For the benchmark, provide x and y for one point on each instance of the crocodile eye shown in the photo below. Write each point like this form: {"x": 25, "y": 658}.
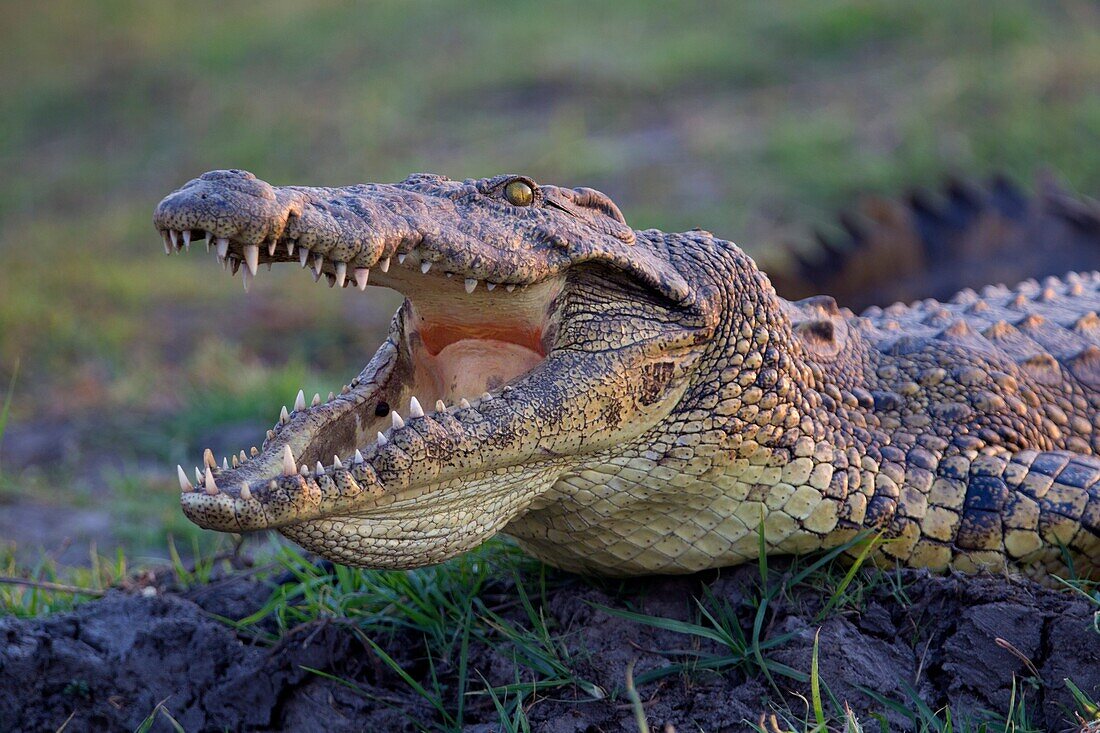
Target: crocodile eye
{"x": 519, "y": 193}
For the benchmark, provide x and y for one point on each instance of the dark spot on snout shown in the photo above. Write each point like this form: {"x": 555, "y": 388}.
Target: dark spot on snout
{"x": 382, "y": 409}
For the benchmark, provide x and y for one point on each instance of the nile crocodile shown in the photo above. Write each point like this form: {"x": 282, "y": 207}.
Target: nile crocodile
{"x": 626, "y": 402}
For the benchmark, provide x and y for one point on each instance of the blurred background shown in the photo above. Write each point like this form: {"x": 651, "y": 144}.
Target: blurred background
{"x": 755, "y": 121}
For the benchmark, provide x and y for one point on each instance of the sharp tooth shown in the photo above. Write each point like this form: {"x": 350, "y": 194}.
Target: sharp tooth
{"x": 284, "y": 416}
{"x": 300, "y": 401}
{"x": 464, "y": 403}
{"x": 400, "y": 258}
{"x": 331, "y": 278}
{"x": 211, "y": 485}
{"x": 440, "y": 406}
{"x": 246, "y": 493}
{"x": 185, "y": 484}
{"x": 359, "y": 455}
{"x": 223, "y": 247}
{"x": 345, "y": 389}
{"x": 336, "y": 462}
{"x": 341, "y": 273}
{"x": 361, "y": 274}
{"x": 316, "y": 400}
{"x": 415, "y": 410}
{"x": 486, "y": 396}
{"x": 289, "y": 469}
{"x": 225, "y": 464}
{"x": 187, "y": 239}
{"x": 384, "y": 265}
{"x": 167, "y": 243}
{"x": 304, "y": 470}
{"x": 425, "y": 266}
{"x": 254, "y": 451}
{"x": 246, "y": 279}
{"x": 270, "y": 434}
{"x": 320, "y": 470}
{"x": 198, "y": 476}
{"x": 271, "y": 248}
{"x": 208, "y": 458}
{"x": 303, "y": 256}
{"x": 234, "y": 264}
{"x": 397, "y": 421}
{"x": 448, "y": 274}
{"x": 289, "y": 248}
{"x": 236, "y": 463}
{"x": 243, "y": 457}
{"x": 471, "y": 283}
{"x": 490, "y": 286}
{"x": 174, "y": 236}
{"x": 509, "y": 287}
{"x": 382, "y": 439}
{"x": 252, "y": 257}
{"x": 316, "y": 275}
{"x": 331, "y": 397}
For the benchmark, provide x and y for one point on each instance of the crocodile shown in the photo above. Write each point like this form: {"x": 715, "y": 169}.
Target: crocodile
{"x": 625, "y": 402}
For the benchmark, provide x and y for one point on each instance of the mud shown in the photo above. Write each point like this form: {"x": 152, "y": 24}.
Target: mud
{"x": 110, "y": 662}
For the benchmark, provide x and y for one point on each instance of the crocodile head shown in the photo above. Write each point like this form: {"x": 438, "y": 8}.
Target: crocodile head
{"x": 537, "y": 328}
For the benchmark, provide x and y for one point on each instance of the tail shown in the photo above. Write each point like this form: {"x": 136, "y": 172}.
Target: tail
{"x": 932, "y": 245}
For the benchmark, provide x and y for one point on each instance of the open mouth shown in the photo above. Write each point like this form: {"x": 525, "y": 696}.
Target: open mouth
{"x": 456, "y": 344}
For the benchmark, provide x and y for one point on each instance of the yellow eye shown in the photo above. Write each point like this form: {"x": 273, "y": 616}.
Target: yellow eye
{"x": 519, "y": 193}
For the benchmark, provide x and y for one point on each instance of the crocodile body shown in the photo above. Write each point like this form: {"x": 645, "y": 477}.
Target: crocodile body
{"x": 626, "y": 402}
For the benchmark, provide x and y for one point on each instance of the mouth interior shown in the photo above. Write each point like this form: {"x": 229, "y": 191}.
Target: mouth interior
{"x": 457, "y": 344}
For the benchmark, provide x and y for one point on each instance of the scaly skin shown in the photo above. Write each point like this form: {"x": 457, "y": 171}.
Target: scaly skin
{"x": 681, "y": 404}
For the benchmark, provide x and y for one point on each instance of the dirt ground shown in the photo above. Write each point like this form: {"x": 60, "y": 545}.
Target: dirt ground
{"x": 110, "y": 662}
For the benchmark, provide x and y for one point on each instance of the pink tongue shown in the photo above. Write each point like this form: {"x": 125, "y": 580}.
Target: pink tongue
{"x": 470, "y": 367}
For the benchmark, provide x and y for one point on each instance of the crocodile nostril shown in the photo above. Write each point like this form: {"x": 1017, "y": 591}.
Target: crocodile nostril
{"x": 382, "y": 409}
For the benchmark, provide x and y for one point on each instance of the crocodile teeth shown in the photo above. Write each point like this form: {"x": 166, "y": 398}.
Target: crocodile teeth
{"x": 185, "y": 483}
{"x": 490, "y": 286}
{"x": 289, "y": 469}
{"x": 303, "y": 256}
{"x": 243, "y": 457}
{"x": 167, "y": 243}
{"x": 464, "y": 403}
{"x": 415, "y": 410}
{"x": 425, "y": 266}
{"x": 246, "y": 279}
{"x": 509, "y": 288}
{"x": 225, "y": 464}
{"x": 300, "y": 401}
{"x": 254, "y": 451}
{"x": 400, "y": 258}
{"x": 198, "y": 476}
{"x": 486, "y": 396}
{"x": 290, "y": 249}
{"x": 359, "y": 455}
{"x": 397, "y": 421}
{"x": 236, "y": 463}
{"x": 284, "y": 416}
{"x": 341, "y": 273}
{"x": 187, "y": 239}
{"x": 382, "y": 439}
{"x": 271, "y": 248}
{"x": 246, "y": 493}
{"x": 208, "y": 458}
{"x": 316, "y": 400}
{"x": 318, "y": 264}
{"x": 211, "y": 485}
{"x": 384, "y": 265}
{"x": 440, "y": 406}
{"x": 223, "y": 247}
{"x": 361, "y": 274}
{"x": 234, "y": 264}
{"x": 336, "y": 462}
{"x": 331, "y": 396}
{"x": 252, "y": 257}
{"x": 319, "y": 470}
{"x": 174, "y": 236}
{"x": 471, "y": 283}
{"x": 304, "y": 470}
